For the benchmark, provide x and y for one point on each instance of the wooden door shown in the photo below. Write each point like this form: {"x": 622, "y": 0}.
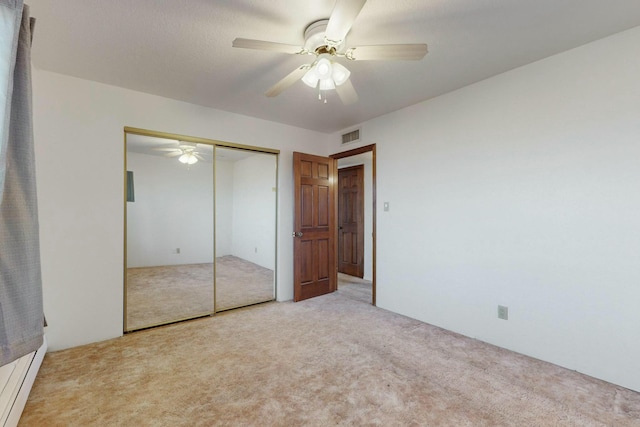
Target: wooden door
{"x": 314, "y": 255}
{"x": 351, "y": 221}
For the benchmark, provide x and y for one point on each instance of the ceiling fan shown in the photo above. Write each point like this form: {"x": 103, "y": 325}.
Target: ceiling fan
{"x": 326, "y": 39}
{"x": 186, "y": 150}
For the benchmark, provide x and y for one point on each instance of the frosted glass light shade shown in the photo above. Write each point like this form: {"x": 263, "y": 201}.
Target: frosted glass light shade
{"x": 324, "y": 69}
{"x": 340, "y": 74}
{"x": 327, "y": 84}
{"x": 310, "y": 78}
{"x": 188, "y": 159}
{"x": 329, "y": 74}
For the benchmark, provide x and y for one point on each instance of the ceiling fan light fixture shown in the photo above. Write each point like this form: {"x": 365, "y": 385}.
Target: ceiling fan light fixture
{"x": 324, "y": 69}
{"x": 327, "y": 84}
{"x": 188, "y": 158}
{"x": 326, "y": 75}
{"x": 326, "y": 39}
{"x": 311, "y": 78}
{"x": 340, "y": 74}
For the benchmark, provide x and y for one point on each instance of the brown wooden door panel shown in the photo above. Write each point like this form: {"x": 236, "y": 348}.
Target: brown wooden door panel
{"x": 306, "y": 205}
{"x": 351, "y": 221}
{"x": 315, "y": 179}
{"x": 349, "y": 248}
{"x": 324, "y": 168}
{"x": 305, "y": 253}
{"x": 322, "y": 260}
{"x": 306, "y": 168}
{"x": 323, "y": 206}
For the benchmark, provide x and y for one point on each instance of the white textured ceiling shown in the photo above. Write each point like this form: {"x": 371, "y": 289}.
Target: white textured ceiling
{"x": 182, "y": 49}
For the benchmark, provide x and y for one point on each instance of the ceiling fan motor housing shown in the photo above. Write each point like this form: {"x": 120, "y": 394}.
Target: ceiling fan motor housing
{"x": 315, "y": 41}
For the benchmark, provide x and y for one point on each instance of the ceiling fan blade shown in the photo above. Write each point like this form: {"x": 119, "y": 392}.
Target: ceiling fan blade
{"x": 198, "y": 156}
{"x": 347, "y": 93}
{"x": 264, "y": 45}
{"x": 175, "y": 154}
{"x": 290, "y": 79}
{"x": 387, "y": 52}
{"x": 166, "y": 149}
{"x": 344, "y": 14}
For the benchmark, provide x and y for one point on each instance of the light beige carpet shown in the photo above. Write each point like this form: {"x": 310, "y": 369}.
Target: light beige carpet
{"x": 326, "y": 361}
{"x": 157, "y": 295}
{"x": 355, "y": 288}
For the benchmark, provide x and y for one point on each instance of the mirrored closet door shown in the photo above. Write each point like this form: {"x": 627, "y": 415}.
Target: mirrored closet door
{"x": 245, "y": 199}
{"x": 169, "y": 231}
{"x": 200, "y": 227}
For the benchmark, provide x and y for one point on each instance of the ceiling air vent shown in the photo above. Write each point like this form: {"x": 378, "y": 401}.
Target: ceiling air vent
{"x": 352, "y": 136}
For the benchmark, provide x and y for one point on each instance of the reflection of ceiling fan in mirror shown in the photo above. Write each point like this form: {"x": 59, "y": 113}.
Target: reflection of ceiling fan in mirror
{"x": 326, "y": 39}
{"x": 187, "y": 151}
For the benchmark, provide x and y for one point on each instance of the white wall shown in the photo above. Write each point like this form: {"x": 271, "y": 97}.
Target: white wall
{"x": 79, "y": 145}
{"x": 522, "y": 190}
{"x": 254, "y": 209}
{"x": 173, "y": 209}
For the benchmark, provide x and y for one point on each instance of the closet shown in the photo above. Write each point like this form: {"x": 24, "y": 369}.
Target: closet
{"x": 200, "y": 227}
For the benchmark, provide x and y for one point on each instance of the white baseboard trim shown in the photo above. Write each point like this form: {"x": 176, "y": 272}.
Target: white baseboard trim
{"x": 16, "y": 380}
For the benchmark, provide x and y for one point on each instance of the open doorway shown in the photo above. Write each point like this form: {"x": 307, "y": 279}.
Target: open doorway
{"x": 356, "y": 223}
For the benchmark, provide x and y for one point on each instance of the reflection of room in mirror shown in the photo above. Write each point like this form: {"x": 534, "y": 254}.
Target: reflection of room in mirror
{"x": 170, "y": 231}
{"x": 245, "y": 227}
{"x": 359, "y": 288}
{"x": 164, "y": 294}
{"x": 240, "y": 282}
{"x": 158, "y": 294}
{"x": 169, "y": 238}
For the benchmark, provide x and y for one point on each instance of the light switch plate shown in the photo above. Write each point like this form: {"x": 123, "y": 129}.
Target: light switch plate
{"x": 503, "y": 312}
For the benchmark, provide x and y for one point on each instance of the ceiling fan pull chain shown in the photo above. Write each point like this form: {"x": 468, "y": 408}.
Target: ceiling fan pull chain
{"x": 320, "y": 93}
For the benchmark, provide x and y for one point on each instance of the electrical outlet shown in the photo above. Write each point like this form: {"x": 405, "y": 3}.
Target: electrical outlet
{"x": 503, "y": 312}
{"x": 386, "y": 206}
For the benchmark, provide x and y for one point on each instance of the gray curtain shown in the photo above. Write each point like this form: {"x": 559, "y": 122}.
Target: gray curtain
{"x": 21, "y": 318}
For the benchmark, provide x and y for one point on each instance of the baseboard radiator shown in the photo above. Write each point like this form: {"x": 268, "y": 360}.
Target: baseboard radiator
{"x": 16, "y": 380}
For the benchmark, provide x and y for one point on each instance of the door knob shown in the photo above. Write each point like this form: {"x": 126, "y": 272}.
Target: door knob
{"x": 297, "y": 234}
